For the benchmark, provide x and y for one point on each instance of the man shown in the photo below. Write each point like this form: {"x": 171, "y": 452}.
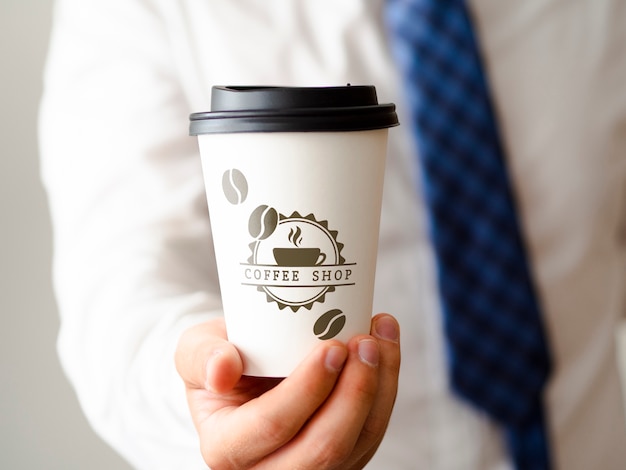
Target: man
{"x": 134, "y": 266}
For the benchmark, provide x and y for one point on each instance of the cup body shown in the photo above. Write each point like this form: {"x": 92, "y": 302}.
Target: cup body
{"x": 295, "y": 220}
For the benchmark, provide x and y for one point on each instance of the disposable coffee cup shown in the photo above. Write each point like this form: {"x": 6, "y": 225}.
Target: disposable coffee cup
{"x": 294, "y": 180}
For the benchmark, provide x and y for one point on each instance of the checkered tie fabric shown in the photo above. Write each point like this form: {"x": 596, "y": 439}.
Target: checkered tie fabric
{"x": 497, "y": 349}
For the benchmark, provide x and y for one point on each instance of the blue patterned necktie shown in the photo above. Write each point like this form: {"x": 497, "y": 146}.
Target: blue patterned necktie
{"x": 498, "y": 355}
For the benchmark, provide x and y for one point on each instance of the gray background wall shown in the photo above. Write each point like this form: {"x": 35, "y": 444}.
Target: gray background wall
{"x": 41, "y": 425}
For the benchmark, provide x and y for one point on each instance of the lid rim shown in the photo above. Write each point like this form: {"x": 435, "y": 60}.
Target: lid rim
{"x": 293, "y": 109}
{"x": 249, "y": 126}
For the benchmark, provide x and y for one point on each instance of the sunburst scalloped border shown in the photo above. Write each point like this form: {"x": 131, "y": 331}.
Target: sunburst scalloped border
{"x": 341, "y": 260}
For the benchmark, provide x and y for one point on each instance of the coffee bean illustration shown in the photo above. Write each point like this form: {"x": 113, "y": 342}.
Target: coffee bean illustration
{"x": 263, "y": 222}
{"x": 235, "y": 186}
{"x": 330, "y": 324}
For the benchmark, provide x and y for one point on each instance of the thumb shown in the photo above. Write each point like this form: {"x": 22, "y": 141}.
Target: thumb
{"x": 206, "y": 360}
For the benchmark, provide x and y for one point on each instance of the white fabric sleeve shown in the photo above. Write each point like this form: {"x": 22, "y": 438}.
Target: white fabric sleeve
{"x": 133, "y": 256}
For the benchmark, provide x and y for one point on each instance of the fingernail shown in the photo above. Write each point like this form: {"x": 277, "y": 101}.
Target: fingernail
{"x": 335, "y": 358}
{"x": 386, "y": 328}
{"x": 368, "y": 352}
{"x": 212, "y": 358}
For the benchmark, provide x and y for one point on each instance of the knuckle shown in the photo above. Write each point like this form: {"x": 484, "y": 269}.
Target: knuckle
{"x": 273, "y": 429}
{"x": 367, "y": 388}
{"x": 219, "y": 456}
{"x": 331, "y": 453}
{"x": 373, "y": 430}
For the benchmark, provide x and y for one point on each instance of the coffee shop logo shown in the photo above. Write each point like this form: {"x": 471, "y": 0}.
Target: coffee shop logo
{"x": 295, "y": 260}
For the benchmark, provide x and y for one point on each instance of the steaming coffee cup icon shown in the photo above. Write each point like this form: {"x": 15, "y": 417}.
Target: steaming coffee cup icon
{"x": 299, "y": 256}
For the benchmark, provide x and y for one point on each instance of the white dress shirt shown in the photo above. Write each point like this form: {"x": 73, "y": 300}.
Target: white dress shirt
{"x": 134, "y": 263}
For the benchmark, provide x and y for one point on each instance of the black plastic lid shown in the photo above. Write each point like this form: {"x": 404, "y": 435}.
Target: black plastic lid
{"x": 293, "y": 109}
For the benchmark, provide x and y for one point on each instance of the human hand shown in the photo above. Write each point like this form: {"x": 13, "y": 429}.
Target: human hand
{"x": 331, "y": 412}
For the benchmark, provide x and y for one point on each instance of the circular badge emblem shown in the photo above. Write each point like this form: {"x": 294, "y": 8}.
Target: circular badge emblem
{"x": 296, "y": 264}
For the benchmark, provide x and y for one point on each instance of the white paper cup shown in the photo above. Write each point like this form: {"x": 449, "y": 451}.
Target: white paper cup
{"x": 294, "y": 180}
